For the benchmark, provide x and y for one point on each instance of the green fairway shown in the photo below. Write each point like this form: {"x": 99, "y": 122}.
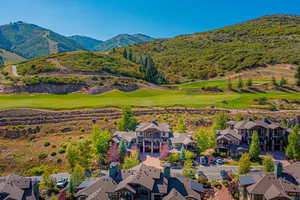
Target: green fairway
{"x": 221, "y": 84}
{"x": 138, "y": 98}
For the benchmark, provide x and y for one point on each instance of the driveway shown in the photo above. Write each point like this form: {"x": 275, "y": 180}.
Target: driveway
{"x": 213, "y": 172}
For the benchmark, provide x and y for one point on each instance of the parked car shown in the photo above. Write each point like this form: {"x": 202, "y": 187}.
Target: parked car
{"x": 224, "y": 175}
{"x": 61, "y": 183}
{"x": 200, "y": 174}
{"x": 219, "y": 161}
{"x": 203, "y": 160}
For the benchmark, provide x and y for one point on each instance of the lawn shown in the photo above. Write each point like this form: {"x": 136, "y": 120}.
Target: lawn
{"x": 140, "y": 98}
{"x": 221, "y": 84}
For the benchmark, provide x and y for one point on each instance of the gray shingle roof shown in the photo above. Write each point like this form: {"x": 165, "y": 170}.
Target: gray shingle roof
{"x": 153, "y": 125}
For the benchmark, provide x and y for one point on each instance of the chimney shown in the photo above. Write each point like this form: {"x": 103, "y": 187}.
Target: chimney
{"x": 113, "y": 169}
{"x": 167, "y": 170}
{"x": 278, "y": 169}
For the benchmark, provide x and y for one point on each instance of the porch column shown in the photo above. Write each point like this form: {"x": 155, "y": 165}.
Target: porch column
{"x": 151, "y": 146}
{"x": 273, "y": 145}
{"x": 143, "y": 146}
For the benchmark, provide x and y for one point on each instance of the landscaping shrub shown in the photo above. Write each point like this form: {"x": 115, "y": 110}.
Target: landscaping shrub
{"x": 42, "y": 156}
{"x": 53, "y": 154}
{"x": 46, "y": 144}
{"x": 62, "y": 151}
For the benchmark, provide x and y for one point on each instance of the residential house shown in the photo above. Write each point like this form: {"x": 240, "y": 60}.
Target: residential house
{"x": 14, "y": 187}
{"x": 141, "y": 182}
{"x": 237, "y": 137}
{"x": 149, "y": 138}
{"x": 279, "y": 185}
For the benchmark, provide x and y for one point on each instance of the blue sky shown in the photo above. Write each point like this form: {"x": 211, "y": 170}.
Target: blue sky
{"x": 103, "y": 19}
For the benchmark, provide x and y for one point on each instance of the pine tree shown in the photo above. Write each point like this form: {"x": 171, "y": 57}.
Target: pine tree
{"x": 125, "y": 54}
{"x": 274, "y": 82}
{"x": 292, "y": 150}
{"x": 76, "y": 178}
{"x": 122, "y": 149}
{"x": 1, "y": 61}
{"x": 297, "y": 76}
{"x": 229, "y": 84}
{"x": 127, "y": 122}
{"x": 182, "y": 154}
{"x": 254, "y": 150}
{"x": 249, "y": 82}
{"x": 244, "y": 164}
{"x": 180, "y": 127}
{"x": 282, "y": 82}
{"x": 130, "y": 55}
{"x": 241, "y": 83}
{"x": 268, "y": 164}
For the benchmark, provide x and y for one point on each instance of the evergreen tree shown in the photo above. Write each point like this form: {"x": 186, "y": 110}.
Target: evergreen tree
{"x": 240, "y": 83}
{"x": 76, "y": 178}
{"x": 292, "y": 150}
{"x": 182, "y": 154}
{"x": 130, "y": 55}
{"x": 220, "y": 121}
{"x": 101, "y": 141}
{"x": 274, "y": 82}
{"x": 131, "y": 161}
{"x": 282, "y": 82}
{"x": 202, "y": 138}
{"x": 249, "y": 82}
{"x": 244, "y": 164}
{"x": 85, "y": 153}
{"x": 122, "y": 149}
{"x": 297, "y": 76}
{"x": 1, "y": 61}
{"x": 151, "y": 73}
{"x": 180, "y": 127}
{"x": 268, "y": 164}
{"x": 229, "y": 84}
{"x": 254, "y": 150}
{"x": 72, "y": 157}
{"x": 47, "y": 181}
{"x": 127, "y": 122}
{"x": 125, "y": 54}
{"x": 188, "y": 169}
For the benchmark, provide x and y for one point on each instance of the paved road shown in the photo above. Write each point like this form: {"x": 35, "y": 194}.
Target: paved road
{"x": 213, "y": 172}
{"x": 14, "y": 70}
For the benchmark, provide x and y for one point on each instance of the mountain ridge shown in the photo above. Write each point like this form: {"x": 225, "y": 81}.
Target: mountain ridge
{"x": 30, "y": 40}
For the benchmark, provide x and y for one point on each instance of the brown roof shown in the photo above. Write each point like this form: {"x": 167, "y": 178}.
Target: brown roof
{"x": 153, "y": 125}
{"x": 98, "y": 188}
{"x": 16, "y": 187}
{"x": 230, "y": 134}
{"x": 248, "y": 124}
{"x": 293, "y": 170}
{"x": 126, "y": 135}
{"x": 182, "y": 138}
{"x": 174, "y": 195}
{"x": 147, "y": 176}
{"x": 269, "y": 185}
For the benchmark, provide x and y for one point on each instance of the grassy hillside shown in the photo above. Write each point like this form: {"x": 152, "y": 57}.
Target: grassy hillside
{"x": 266, "y": 40}
{"x": 29, "y": 40}
{"x": 79, "y": 62}
{"x": 86, "y": 42}
{"x": 9, "y": 57}
{"x": 122, "y": 40}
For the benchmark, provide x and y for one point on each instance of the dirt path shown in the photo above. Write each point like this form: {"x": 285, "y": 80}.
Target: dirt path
{"x": 14, "y": 70}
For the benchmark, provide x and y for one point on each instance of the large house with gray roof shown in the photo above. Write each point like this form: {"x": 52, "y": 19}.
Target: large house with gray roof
{"x": 141, "y": 182}
{"x": 14, "y": 187}
{"x": 237, "y": 137}
{"x": 149, "y": 137}
{"x": 280, "y": 185}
